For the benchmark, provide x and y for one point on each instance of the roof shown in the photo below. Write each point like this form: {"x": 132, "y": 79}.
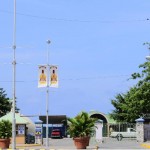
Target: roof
{"x": 54, "y": 119}
{"x": 30, "y": 125}
{"x": 19, "y": 119}
{"x": 110, "y": 120}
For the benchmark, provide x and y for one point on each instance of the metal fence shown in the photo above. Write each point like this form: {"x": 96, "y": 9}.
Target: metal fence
{"x": 119, "y": 131}
{"x": 124, "y": 132}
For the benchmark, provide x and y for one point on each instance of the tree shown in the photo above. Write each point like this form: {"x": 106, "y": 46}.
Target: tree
{"x": 5, "y": 104}
{"x": 81, "y": 125}
{"x": 136, "y": 101}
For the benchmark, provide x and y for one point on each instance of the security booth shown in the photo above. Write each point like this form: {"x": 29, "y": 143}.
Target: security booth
{"x": 54, "y": 122}
{"x": 20, "y": 133}
{"x": 21, "y": 128}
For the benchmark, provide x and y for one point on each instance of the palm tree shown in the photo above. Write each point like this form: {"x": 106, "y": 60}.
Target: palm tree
{"x": 81, "y": 126}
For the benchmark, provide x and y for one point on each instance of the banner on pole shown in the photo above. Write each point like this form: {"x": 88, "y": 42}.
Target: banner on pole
{"x": 53, "y": 76}
{"x": 42, "y": 76}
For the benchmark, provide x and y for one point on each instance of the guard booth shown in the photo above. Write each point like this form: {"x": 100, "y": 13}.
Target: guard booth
{"x": 54, "y": 122}
{"x": 21, "y": 128}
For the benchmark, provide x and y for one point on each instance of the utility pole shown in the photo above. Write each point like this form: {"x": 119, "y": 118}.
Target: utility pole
{"x": 47, "y": 99}
{"x": 14, "y": 81}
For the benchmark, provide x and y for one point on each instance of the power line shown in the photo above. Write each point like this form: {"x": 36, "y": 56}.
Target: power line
{"x": 83, "y": 78}
{"x": 98, "y": 77}
{"x": 21, "y": 81}
{"x": 77, "y": 20}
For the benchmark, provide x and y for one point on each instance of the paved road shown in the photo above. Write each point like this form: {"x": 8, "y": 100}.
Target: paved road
{"x": 109, "y": 143}
{"x": 113, "y": 143}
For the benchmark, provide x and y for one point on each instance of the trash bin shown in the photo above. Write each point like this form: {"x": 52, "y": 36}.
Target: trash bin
{"x": 30, "y": 139}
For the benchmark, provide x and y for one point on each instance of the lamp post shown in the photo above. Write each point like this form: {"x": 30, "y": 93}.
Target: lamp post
{"x": 14, "y": 82}
{"x": 47, "y": 99}
{"x": 148, "y": 57}
{"x": 147, "y": 43}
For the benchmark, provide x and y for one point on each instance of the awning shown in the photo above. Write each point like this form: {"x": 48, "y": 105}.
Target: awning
{"x": 57, "y": 119}
{"x": 19, "y": 119}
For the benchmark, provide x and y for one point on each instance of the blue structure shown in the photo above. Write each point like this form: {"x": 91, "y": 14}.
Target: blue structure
{"x": 55, "y": 122}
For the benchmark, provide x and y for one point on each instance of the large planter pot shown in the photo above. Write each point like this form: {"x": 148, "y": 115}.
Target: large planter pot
{"x": 4, "y": 143}
{"x": 80, "y": 142}
{"x": 87, "y": 140}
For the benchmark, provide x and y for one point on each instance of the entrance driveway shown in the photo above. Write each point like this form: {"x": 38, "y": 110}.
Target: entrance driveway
{"x": 67, "y": 144}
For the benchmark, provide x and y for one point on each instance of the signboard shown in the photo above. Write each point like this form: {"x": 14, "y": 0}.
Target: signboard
{"x": 38, "y": 131}
{"x": 21, "y": 129}
{"x": 53, "y": 76}
{"x": 42, "y": 76}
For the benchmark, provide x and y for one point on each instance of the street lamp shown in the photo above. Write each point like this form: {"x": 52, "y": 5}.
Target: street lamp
{"x": 148, "y": 57}
{"x": 147, "y": 43}
{"x": 47, "y": 99}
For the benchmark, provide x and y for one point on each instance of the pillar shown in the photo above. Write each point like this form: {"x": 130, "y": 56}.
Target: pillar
{"x": 38, "y": 132}
{"x": 99, "y": 131}
{"x": 140, "y": 129}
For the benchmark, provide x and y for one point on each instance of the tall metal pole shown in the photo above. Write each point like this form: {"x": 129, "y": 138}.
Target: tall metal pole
{"x": 14, "y": 82}
{"x": 47, "y": 99}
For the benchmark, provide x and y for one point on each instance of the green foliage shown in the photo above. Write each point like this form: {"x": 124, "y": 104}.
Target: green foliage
{"x": 5, "y": 105}
{"x": 136, "y": 101}
{"x": 5, "y": 129}
{"x": 81, "y": 125}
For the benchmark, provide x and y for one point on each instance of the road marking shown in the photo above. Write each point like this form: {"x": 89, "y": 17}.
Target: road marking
{"x": 145, "y": 145}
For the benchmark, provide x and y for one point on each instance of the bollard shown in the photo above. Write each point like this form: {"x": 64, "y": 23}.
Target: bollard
{"x": 97, "y": 147}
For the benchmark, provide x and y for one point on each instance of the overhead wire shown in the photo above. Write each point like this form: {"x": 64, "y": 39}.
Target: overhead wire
{"x": 76, "y": 20}
{"x": 71, "y": 79}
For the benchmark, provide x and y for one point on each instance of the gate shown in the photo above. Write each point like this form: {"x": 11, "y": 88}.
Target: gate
{"x": 119, "y": 132}
{"x": 147, "y": 132}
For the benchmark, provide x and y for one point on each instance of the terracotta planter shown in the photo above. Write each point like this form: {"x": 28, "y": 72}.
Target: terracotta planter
{"x": 80, "y": 142}
{"x": 87, "y": 140}
{"x": 4, "y": 143}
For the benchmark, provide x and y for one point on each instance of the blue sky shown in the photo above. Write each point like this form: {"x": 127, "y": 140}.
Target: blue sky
{"x": 96, "y": 44}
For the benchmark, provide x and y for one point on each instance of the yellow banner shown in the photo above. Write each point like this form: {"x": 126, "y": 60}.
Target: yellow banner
{"x": 53, "y": 76}
{"x": 42, "y": 76}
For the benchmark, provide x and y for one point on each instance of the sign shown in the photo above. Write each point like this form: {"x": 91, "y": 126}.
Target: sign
{"x": 53, "y": 76}
{"x": 38, "y": 131}
{"x": 21, "y": 129}
{"x": 42, "y": 76}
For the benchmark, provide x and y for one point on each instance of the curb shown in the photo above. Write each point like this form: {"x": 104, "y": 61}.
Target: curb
{"x": 30, "y": 149}
{"x": 146, "y": 145}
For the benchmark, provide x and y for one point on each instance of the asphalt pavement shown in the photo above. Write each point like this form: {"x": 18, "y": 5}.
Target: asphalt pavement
{"x": 108, "y": 143}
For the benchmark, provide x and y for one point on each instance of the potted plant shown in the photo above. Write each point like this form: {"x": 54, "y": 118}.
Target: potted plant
{"x": 80, "y": 129}
{"x": 5, "y": 133}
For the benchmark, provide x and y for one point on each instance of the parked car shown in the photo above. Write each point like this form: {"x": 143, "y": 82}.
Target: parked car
{"x": 130, "y": 133}
{"x": 56, "y": 133}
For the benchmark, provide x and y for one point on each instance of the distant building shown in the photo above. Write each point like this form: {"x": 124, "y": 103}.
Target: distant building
{"x": 55, "y": 122}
